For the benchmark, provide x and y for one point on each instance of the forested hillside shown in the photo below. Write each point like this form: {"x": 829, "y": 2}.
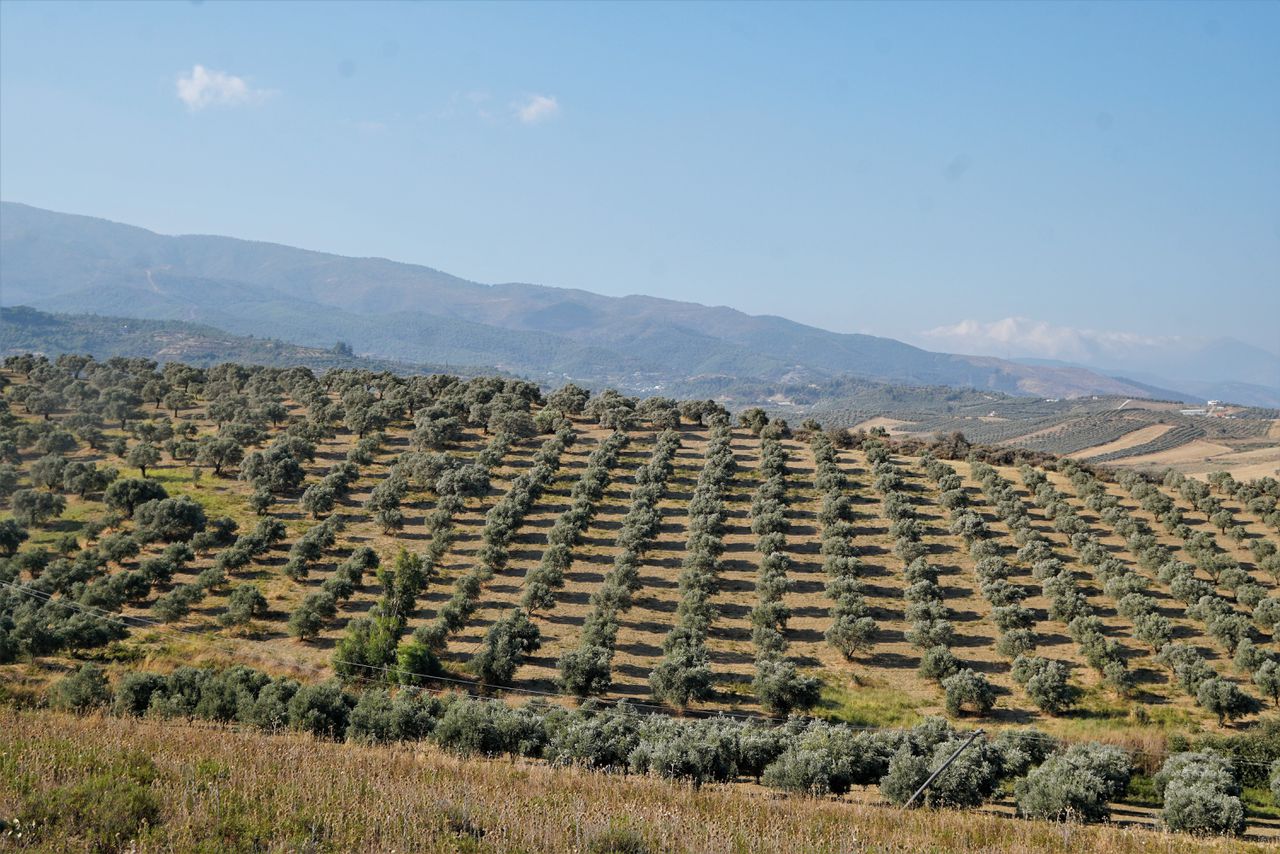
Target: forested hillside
{"x": 649, "y": 584}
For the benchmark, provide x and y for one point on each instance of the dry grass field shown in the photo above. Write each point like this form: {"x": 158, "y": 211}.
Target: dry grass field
{"x": 205, "y": 788}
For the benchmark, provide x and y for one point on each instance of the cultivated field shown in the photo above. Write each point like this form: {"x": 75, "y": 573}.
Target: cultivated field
{"x": 477, "y": 537}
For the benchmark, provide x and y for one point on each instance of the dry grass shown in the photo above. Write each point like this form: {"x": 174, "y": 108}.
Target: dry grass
{"x": 215, "y": 789}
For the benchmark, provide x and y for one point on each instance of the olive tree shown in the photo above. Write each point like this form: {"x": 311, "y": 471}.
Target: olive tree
{"x": 968, "y": 690}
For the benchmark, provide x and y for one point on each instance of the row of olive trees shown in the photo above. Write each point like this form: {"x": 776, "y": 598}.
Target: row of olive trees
{"x": 421, "y": 654}
{"x": 1222, "y": 569}
{"x": 68, "y": 600}
{"x": 321, "y": 606}
{"x": 1231, "y": 629}
{"x": 1120, "y": 582}
{"x": 1046, "y": 681}
{"x": 587, "y": 669}
{"x": 1260, "y": 496}
{"x": 373, "y": 644}
{"x": 1201, "y": 546}
{"x": 1067, "y": 603}
{"x": 778, "y": 684}
{"x": 931, "y": 631}
{"x": 853, "y": 629}
{"x": 512, "y": 637}
{"x": 541, "y": 582}
{"x": 1200, "y": 495}
{"x": 178, "y": 602}
{"x": 684, "y": 674}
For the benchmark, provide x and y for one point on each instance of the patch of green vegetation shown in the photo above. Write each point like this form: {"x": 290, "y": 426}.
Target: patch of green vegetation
{"x": 1260, "y": 802}
{"x": 111, "y": 803}
{"x": 1142, "y": 792}
{"x": 1098, "y": 710}
{"x": 72, "y": 521}
{"x": 868, "y": 704}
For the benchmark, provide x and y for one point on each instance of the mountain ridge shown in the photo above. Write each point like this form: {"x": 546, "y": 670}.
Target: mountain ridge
{"x": 394, "y": 310}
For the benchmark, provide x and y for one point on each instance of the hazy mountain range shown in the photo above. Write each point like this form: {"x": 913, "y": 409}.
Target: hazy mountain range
{"x": 80, "y": 265}
{"x": 1204, "y": 366}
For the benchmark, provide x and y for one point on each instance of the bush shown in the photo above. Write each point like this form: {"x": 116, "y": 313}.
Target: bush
{"x": 506, "y": 644}
{"x": 1075, "y": 785}
{"x": 968, "y": 690}
{"x": 683, "y": 675}
{"x": 699, "y": 752}
{"x": 1017, "y": 642}
{"x": 1193, "y": 762}
{"x": 181, "y": 693}
{"x": 490, "y": 728}
{"x": 270, "y": 709}
{"x": 133, "y": 694}
{"x": 323, "y": 710}
{"x": 585, "y": 670}
{"x": 176, "y": 604}
{"x": 83, "y": 690}
{"x": 1020, "y": 749}
{"x": 928, "y": 633}
{"x": 907, "y": 772}
{"x": 827, "y": 759}
{"x": 225, "y": 692}
{"x": 1201, "y": 794}
{"x": 781, "y": 688}
{"x": 970, "y": 780}
{"x": 370, "y": 721}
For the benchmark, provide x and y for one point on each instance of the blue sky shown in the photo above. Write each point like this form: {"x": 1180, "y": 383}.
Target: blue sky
{"x": 863, "y": 167}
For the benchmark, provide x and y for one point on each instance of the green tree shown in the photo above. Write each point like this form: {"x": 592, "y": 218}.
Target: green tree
{"x": 12, "y": 535}
{"x": 170, "y": 519}
{"x": 245, "y": 603}
{"x": 1223, "y": 699}
{"x": 219, "y": 452}
{"x": 32, "y": 507}
{"x": 126, "y": 494}
{"x": 142, "y": 455}
{"x": 1267, "y": 678}
{"x": 83, "y": 690}
{"x": 967, "y": 690}
{"x": 753, "y": 419}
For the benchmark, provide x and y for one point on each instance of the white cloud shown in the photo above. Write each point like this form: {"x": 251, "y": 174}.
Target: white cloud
{"x": 1023, "y": 337}
{"x": 202, "y": 88}
{"x": 536, "y": 108}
